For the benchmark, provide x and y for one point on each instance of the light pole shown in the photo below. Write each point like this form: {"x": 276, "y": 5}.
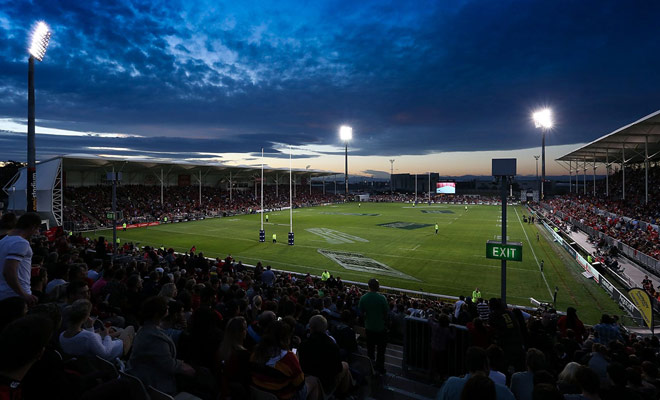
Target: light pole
{"x": 543, "y": 120}
{"x": 537, "y": 171}
{"x": 38, "y": 46}
{"x": 391, "y": 174}
{"x": 346, "y": 134}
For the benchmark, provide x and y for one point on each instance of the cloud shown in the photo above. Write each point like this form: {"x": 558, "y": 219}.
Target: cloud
{"x": 411, "y": 77}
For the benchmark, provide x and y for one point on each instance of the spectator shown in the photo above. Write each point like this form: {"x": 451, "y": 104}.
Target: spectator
{"x": 567, "y": 382}
{"x": 235, "y": 359}
{"x": 275, "y": 368}
{"x": 522, "y": 383}
{"x": 606, "y": 330}
{"x": 441, "y": 335}
{"x": 320, "y": 357}
{"x": 477, "y": 363}
{"x": 16, "y": 259}
{"x": 589, "y": 385}
{"x": 153, "y": 358}
{"x": 374, "y": 309}
{"x": 571, "y": 321}
{"x": 77, "y": 341}
{"x": 268, "y": 276}
{"x": 21, "y": 344}
{"x": 479, "y": 387}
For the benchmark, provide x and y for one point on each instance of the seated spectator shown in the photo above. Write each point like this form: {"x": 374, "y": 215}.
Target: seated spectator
{"x": 275, "y": 368}
{"x": 522, "y": 383}
{"x": 320, "y": 357}
{"x": 235, "y": 359}
{"x": 80, "y": 342}
{"x": 153, "y": 358}
{"x": 479, "y": 387}
{"x": 589, "y": 385}
{"x": 22, "y": 343}
{"x": 477, "y": 363}
{"x": 567, "y": 382}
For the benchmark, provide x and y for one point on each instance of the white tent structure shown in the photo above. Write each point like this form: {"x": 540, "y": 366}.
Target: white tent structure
{"x": 88, "y": 170}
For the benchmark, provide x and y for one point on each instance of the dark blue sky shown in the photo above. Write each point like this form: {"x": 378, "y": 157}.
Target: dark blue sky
{"x": 411, "y": 77}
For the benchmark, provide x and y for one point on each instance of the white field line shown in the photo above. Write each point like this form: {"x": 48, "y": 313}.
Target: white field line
{"x": 362, "y": 252}
{"x": 532, "y": 248}
{"x": 344, "y": 272}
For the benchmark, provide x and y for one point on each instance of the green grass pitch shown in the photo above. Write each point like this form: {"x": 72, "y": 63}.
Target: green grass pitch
{"x": 396, "y": 243}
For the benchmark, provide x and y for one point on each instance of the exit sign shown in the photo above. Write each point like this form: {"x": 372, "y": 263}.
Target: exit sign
{"x": 512, "y": 251}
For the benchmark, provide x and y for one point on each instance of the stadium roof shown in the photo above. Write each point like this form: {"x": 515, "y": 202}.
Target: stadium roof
{"x": 629, "y": 140}
{"x": 82, "y": 162}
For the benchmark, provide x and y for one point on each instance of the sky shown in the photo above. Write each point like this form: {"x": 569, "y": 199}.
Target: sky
{"x": 440, "y": 86}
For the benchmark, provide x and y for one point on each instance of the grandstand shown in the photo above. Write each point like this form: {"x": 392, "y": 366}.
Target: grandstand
{"x": 218, "y": 313}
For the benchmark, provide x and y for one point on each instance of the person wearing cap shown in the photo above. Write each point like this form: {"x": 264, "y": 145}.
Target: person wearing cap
{"x": 374, "y": 308}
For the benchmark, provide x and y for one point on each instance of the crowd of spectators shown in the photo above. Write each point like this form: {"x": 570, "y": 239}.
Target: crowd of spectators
{"x": 435, "y": 198}
{"x": 88, "y": 206}
{"x": 215, "y": 328}
{"x": 588, "y": 211}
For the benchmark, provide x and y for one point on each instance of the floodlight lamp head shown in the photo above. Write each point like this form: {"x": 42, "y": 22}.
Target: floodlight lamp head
{"x": 543, "y": 118}
{"x": 40, "y": 40}
{"x": 346, "y": 133}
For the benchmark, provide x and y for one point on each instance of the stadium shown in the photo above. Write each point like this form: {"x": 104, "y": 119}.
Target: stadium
{"x": 171, "y": 274}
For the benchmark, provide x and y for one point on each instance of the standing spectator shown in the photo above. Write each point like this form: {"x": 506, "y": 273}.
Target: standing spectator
{"x": 268, "y": 276}
{"x": 606, "y": 330}
{"x": 458, "y": 305}
{"x": 482, "y": 309}
{"x": 476, "y": 295}
{"x": 16, "y": 259}
{"x": 571, "y": 321}
{"x": 374, "y": 309}
{"x": 235, "y": 359}
{"x": 441, "y": 335}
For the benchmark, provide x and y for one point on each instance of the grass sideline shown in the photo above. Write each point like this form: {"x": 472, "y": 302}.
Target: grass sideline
{"x": 400, "y": 241}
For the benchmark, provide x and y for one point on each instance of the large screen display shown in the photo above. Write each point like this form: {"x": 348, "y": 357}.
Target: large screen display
{"x": 445, "y": 187}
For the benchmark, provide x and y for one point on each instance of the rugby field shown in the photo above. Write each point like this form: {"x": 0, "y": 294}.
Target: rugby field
{"x": 396, "y": 243}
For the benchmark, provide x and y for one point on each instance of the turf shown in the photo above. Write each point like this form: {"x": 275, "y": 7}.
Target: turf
{"x": 403, "y": 239}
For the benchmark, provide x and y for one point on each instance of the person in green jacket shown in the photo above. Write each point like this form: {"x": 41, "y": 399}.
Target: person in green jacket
{"x": 266, "y": 217}
{"x": 325, "y": 275}
{"x": 436, "y": 229}
{"x": 274, "y": 237}
{"x": 124, "y": 226}
{"x": 476, "y": 295}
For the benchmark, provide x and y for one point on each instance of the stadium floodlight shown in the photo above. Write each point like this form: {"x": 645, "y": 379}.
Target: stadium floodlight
{"x": 543, "y": 119}
{"x": 40, "y": 40}
{"x": 346, "y": 134}
{"x": 37, "y": 50}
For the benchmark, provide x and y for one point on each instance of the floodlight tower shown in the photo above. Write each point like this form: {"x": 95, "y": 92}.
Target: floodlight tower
{"x": 537, "y": 171}
{"x": 543, "y": 120}
{"x": 346, "y": 134}
{"x": 391, "y": 173}
{"x": 38, "y": 46}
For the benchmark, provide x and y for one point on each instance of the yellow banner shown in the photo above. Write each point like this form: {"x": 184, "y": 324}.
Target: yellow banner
{"x": 643, "y": 302}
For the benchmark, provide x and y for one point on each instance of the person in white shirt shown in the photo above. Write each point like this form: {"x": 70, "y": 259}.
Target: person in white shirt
{"x": 458, "y": 305}
{"x": 16, "y": 259}
{"x": 77, "y": 341}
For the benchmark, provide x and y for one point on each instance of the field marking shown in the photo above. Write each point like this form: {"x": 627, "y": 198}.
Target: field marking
{"x": 533, "y": 252}
{"x": 372, "y": 253}
{"x": 356, "y": 274}
{"x": 415, "y": 248}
